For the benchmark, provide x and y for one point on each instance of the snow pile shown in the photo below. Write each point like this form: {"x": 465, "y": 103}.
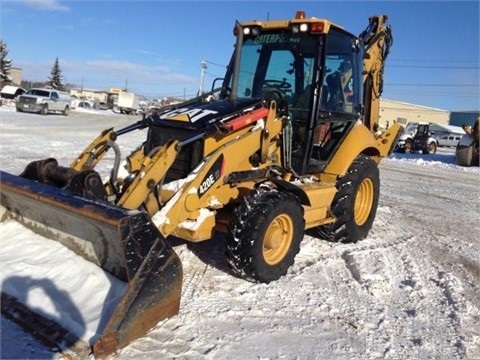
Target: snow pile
{"x": 51, "y": 279}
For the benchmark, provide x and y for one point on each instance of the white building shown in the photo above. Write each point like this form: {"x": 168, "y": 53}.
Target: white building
{"x": 395, "y": 111}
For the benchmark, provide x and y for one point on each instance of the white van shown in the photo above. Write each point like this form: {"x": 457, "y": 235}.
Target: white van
{"x": 450, "y": 140}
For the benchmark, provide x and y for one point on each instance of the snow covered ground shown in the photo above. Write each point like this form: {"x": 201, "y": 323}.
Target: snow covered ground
{"x": 408, "y": 291}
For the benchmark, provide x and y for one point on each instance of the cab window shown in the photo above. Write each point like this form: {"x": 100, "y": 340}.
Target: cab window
{"x": 339, "y": 90}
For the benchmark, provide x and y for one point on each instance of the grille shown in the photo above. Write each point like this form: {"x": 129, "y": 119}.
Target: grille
{"x": 186, "y": 160}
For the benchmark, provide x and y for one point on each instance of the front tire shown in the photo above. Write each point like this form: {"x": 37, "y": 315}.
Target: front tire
{"x": 431, "y": 148}
{"x": 264, "y": 235}
{"x": 66, "y": 111}
{"x": 44, "y": 110}
{"x": 355, "y": 203}
{"x": 408, "y": 146}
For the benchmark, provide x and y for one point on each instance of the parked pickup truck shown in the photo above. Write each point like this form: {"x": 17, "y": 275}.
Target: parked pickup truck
{"x": 43, "y": 101}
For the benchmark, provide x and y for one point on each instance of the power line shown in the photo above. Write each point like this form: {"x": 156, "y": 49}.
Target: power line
{"x": 436, "y": 85}
{"x": 435, "y": 60}
{"x": 216, "y": 64}
{"x": 432, "y": 93}
{"x": 436, "y": 67}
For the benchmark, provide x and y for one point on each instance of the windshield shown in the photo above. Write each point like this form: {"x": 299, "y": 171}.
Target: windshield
{"x": 279, "y": 62}
{"x": 38, "y": 92}
{"x": 422, "y": 129}
{"x": 411, "y": 128}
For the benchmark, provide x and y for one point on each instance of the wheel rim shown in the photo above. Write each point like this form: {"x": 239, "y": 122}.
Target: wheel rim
{"x": 432, "y": 148}
{"x": 408, "y": 146}
{"x": 364, "y": 201}
{"x": 278, "y": 239}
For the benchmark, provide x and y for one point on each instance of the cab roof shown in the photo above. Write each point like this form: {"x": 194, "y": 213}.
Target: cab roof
{"x": 300, "y": 18}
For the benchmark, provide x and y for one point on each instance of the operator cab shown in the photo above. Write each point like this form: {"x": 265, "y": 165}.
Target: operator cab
{"x": 310, "y": 67}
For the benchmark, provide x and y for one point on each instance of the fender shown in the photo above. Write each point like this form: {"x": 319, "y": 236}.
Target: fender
{"x": 292, "y": 188}
{"x": 358, "y": 140}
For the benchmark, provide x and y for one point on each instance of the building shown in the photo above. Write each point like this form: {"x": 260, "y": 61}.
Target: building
{"x": 395, "y": 111}
{"x": 458, "y": 118}
{"x": 86, "y": 94}
{"x": 16, "y": 75}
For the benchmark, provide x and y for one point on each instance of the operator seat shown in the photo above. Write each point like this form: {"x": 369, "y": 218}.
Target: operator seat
{"x": 303, "y": 100}
{"x": 336, "y": 86}
{"x": 335, "y": 92}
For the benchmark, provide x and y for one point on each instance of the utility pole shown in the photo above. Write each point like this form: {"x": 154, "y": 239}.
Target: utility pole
{"x": 203, "y": 67}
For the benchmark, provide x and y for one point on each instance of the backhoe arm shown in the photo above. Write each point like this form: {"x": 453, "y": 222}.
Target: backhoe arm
{"x": 376, "y": 41}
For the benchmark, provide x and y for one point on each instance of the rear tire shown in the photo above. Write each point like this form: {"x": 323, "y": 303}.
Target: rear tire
{"x": 264, "y": 235}
{"x": 355, "y": 203}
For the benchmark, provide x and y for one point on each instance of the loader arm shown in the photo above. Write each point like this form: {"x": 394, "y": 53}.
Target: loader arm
{"x": 95, "y": 151}
{"x": 151, "y": 171}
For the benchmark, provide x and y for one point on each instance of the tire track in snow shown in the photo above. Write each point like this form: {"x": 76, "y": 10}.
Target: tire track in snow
{"x": 411, "y": 269}
{"x": 388, "y": 271}
{"x": 410, "y": 302}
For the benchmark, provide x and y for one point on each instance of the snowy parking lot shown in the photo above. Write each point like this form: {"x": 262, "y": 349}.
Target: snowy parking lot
{"x": 410, "y": 290}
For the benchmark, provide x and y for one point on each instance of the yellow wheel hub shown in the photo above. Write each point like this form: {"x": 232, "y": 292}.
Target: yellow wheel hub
{"x": 363, "y": 201}
{"x": 278, "y": 239}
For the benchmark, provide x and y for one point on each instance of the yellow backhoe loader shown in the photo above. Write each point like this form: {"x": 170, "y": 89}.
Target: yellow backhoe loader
{"x": 286, "y": 141}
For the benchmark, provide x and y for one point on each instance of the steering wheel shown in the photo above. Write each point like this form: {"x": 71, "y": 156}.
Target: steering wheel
{"x": 279, "y": 84}
{"x": 275, "y": 90}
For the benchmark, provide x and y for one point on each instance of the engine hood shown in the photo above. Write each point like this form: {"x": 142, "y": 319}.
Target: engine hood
{"x": 201, "y": 115}
{"x": 30, "y": 96}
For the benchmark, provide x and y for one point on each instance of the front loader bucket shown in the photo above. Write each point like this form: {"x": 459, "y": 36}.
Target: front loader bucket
{"x": 123, "y": 242}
